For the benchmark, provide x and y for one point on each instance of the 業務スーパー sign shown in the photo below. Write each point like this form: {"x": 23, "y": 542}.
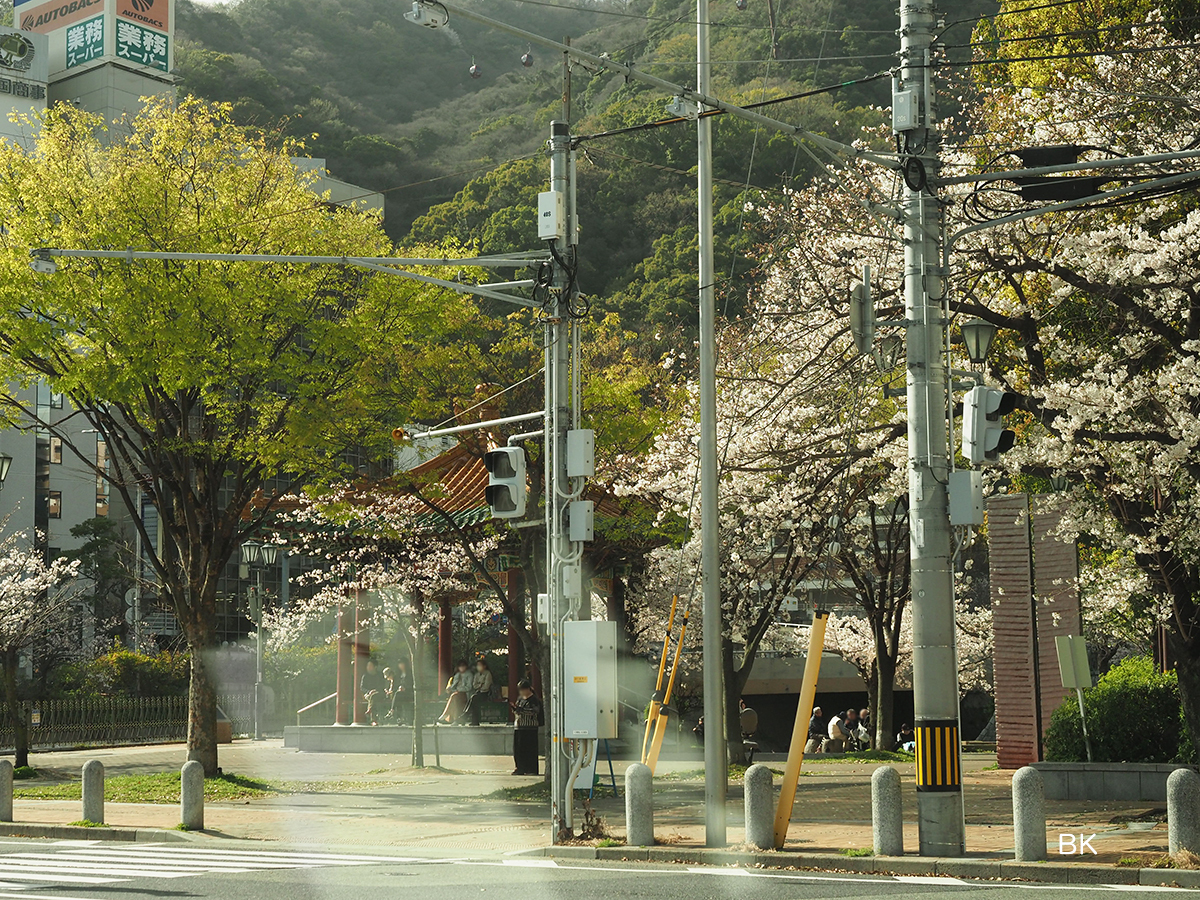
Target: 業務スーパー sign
{"x": 85, "y": 41}
{"x": 141, "y": 45}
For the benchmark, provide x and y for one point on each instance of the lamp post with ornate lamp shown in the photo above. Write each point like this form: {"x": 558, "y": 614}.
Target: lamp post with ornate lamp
{"x": 977, "y": 335}
{"x": 258, "y": 556}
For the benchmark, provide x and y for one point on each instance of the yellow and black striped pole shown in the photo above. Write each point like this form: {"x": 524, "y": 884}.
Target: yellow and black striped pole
{"x": 938, "y": 756}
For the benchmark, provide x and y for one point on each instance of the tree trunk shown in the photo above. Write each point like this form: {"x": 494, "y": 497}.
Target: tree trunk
{"x": 733, "y": 711}
{"x": 1187, "y": 667}
{"x": 883, "y": 702}
{"x": 16, "y": 712}
{"x": 202, "y": 710}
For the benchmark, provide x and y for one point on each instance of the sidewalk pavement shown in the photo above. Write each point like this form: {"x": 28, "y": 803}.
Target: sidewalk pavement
{"x": 378, "y": 800}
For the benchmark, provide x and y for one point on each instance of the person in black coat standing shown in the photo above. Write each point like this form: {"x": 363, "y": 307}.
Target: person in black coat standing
{"x": 527, "y": 717}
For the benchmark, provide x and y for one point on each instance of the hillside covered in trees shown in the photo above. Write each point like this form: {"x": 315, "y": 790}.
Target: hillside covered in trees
{"x": 393, "y": 107}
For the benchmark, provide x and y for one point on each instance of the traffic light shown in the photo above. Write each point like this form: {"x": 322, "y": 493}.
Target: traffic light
{"x": 984, "y": 435}
{"x": 506, "y": 489}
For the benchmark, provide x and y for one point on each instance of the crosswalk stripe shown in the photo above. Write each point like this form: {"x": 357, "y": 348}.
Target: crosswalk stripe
{"x": 64, "y": 876}
{"x": 324, "y": 858}
{"x": 170, "y": 862}
{"x": 10, "y": 868}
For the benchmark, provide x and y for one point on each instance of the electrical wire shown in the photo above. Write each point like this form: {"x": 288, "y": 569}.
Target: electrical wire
{"x": 1090, "y": 54}
{"x": 490, "y": 398}
{"x": 1007, "y": 12}
{"x": 725, "y": 23}
{"x": 1076, "y": 33}
{"x": 645, "y": 126}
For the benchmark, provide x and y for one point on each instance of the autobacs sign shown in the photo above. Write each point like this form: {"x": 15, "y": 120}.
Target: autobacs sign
{"x": 54, "y": 15}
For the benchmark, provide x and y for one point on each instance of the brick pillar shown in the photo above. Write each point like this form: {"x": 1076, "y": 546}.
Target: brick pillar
{"x": 445, "y": 645}
{"x": 1010, "y": 570}
{"x": 1055, "y": 570}
{"x": 345, "y": 666}
{"x": 362, "y": 654}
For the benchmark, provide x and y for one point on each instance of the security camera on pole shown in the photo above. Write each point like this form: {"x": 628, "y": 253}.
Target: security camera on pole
{"x": 935, "y": 664}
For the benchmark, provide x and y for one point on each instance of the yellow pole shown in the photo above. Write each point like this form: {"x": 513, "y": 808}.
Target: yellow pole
{"x": 660, "y": 727}
{"x": 652, "y": 715}
{"x": 804, "y": 709}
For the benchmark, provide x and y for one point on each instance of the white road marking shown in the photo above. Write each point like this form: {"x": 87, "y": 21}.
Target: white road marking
{"x": 928, "y": 879}
{"x": 532, "y": 863}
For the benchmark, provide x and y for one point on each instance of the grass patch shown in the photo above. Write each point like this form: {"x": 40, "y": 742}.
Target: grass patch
{"x": 856, "y": 851}
{"x": 994, "y": 767}
{"x": 1129, "y": 862}
{"x": 539, "y": 791}
{"x": 86, "y": 823}
{"x": 163, "y": 787}
{"x": 21, "y": 773}
{"x": 870, "y": 756}
{"x": 737, "y": 773}
{"x": 608, "y": 842}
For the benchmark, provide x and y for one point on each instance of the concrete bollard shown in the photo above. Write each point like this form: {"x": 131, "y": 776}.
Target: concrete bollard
{"x": 1029, "y": 814}
{"x": 887, "y": 815}
{"x": 93, "y": 791}
{"x": 6, "y": 789}
{"x": 639, "y": 806}
{"x": 1183, "y": 811}
{"x": 760, "y": 807}
{"x": 191, "y": 795}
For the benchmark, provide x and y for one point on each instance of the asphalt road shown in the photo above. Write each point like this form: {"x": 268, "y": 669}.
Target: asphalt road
{"x": 95, "y": 870}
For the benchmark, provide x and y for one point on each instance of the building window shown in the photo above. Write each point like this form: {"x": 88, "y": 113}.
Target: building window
{"x": 56, "y": 401}
{"x": 54, "y": 504}
{"x": 102, "y": 487}
{"x": 56, "y": 450}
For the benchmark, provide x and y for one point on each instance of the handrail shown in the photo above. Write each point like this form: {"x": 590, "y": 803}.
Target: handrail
{"x": 313, "y": 705}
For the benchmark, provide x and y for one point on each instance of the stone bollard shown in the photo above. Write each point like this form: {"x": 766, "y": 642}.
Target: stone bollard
{"x": 1029, "y": 814}
{"x": 191, "y": 795}
{"x": 887, "y": 816}
{"x": 760, "y": 807}
{"x": 93, "y": 791}
{"x": 6, "y": 789}
{"x": 639, "y": 806}
{"x": 1183, "y": 811}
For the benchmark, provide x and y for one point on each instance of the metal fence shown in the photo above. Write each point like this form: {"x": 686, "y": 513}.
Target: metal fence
{"x": 77, "y": 722}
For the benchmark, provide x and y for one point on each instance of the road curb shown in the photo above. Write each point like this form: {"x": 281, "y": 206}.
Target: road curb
{"x": 959, "y": 867}
{"x": 97, "y": 833}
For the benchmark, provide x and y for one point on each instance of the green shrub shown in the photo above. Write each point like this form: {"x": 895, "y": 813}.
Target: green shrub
{"x": 125, "y": 672}
{"x": 1134, "y": 714}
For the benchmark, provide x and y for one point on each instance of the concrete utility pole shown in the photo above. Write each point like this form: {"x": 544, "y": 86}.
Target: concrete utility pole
{"x": 557, "y": 421}
{"x": 935, "y": 662}
{"x": 716, "y": 765}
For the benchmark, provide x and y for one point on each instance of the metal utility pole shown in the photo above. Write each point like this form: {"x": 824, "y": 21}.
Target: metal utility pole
{"x": 935, "y": 664}
{"x": 716, "y": 765}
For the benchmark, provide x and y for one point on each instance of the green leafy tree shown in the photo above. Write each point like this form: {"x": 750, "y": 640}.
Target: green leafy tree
{"x": 217, "y": 385}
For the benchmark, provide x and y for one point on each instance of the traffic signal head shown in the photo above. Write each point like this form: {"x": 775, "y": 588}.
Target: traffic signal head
{"x": 984, "y": 435}
{"x": 506, "y": 490}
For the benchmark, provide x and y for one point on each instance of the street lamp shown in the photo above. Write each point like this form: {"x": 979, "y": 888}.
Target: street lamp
{"x": 258, "y": 556}
{"x": 977, "y": 335}
{"x": 5, "y": 463}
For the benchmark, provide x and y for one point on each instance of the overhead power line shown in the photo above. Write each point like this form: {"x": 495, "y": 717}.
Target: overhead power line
{"x": 645, "y": 126}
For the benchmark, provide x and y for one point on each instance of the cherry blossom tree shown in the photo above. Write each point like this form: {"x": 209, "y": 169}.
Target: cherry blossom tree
{"x": 382, "y": 547}
{"x": 35, "y": 596}
{"x": 1100, "y": 316}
